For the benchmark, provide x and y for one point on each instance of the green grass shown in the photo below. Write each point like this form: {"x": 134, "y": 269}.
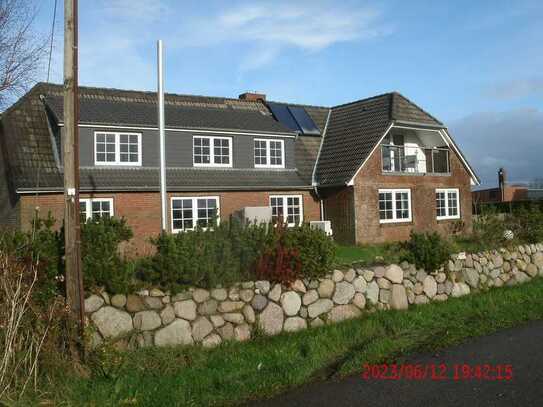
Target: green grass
{"x": 236, "y": 372}
{"x": 366, "y": 254}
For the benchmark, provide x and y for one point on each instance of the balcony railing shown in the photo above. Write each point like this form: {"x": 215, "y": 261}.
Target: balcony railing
{"x": 411, "y": 160}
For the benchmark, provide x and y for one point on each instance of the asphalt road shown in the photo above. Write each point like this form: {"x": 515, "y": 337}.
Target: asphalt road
{"x": 521, "y": 347}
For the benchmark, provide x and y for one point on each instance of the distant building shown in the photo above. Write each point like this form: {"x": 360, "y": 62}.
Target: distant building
{"x": 505, "y": 192}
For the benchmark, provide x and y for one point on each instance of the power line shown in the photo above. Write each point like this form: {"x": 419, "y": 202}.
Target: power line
{"x": 52, "y": 38}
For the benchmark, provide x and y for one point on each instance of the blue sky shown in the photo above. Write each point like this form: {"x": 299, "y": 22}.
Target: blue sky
{"x": 476, "y": 65}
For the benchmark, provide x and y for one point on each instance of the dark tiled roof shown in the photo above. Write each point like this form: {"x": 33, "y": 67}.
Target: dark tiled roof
{"x": 182, "y": 179}
{"x": 179, "y": 112}
{"x": 354, "y": 130}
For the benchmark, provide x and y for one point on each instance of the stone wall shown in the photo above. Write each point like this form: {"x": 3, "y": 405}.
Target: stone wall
{"x": 209, "y": 317}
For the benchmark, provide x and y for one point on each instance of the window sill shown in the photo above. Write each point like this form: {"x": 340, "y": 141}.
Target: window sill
{"x": 395, "y": 222}
{"x": 417, "y": 174}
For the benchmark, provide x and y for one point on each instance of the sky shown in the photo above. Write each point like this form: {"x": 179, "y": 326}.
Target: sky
{"x": 475, "y": 65}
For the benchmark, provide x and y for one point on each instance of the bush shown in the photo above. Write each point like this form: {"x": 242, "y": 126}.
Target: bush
{"x": 527, "y": 224}
{"x": 428, "y": 251}
{"x": 101, "y": 262}
{"x": 232, "y": 252}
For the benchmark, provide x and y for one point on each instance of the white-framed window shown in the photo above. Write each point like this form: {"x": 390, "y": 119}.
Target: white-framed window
{"x": 189, "y": 212}
{"x": 269, "y": 153}
{"x": 212, "y": 151}
{"x": 93, "y": 208}
{"x": 288, "y": 208}
{"x": 447, "y": 203}
{"x": 394, "y": 205}
{"x": 117, "y": 148}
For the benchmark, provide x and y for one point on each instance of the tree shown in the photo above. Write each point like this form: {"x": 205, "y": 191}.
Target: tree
{"x": 21, "y": 49}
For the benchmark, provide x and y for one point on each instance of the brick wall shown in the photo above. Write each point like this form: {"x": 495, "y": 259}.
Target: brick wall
{"x": 142, "y": 209}
{"x": 366, "y": 201}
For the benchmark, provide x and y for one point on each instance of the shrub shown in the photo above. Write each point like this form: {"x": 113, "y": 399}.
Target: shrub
{"x": 527, "y": 224}
{"x": 489, "y": 228}
{"x": 101, "y": 262}
{"x": 232, "y": 252}
{"x": 427, "y": 250}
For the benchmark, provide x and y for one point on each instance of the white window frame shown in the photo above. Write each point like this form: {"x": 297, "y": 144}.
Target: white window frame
{"x": 212, "y": 151}
{"x": 268, "y": 153}
{"x": 285, "y": 207}
{"x": 394, "y": 218}
{"x": 194, "y": 210}
{"x": 446, "y": 192}
{"x": 88, "y": 206}
{"x": 117, "y": 161}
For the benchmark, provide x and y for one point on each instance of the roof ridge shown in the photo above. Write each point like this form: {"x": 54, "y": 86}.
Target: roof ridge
{"x": 299, "y": 104}
{"x": 417, "y": 106}
{"x": 364, "y": 99}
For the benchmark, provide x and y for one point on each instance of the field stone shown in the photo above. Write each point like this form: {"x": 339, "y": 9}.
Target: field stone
{"x": 153, "y": 302}
{"x": 242, "y": 333}
{"x": 208, "y": 307}
{"x": 537, "y": 259}
{"x": 226, "y": 331}
{"x": 291, "y": 303}
{"x": 398, "y": 297}
{"x": 248, "y": 284}
{"x": 310, "y": 297}
{"x": 112, "y": 322}
{"x": 384, "y": 296}
{"x": 118, "y": 300}
{"x": 234, "y": 317}
{"x": 359, "y": 300}
{"x": 303, "y": 312}
{"x": 460, "y": 289}
{"x": 441, "y": 297}
{"x": 185, "y": 295}
{"x": 147, "y": 320}
{"x": 275, "y": 293}
{"x": 441, "y": 277}
{"x": 350, "y": 275}
{"x": 259, "y": 302}
{"x": 337, "y": 276}
{"x": 263, "y": 286}
{"x": 105, "y": 296}
{"x": 368, "y": 275}
{"x": 421, "y": 299}
{"x": 531, "y": 270}
{"x": 319, "y": 307}
{"x": 231, "y": 306}
{"x": 471, "y": 277}
{"x": 418, "y": 288}
{"x": 271, "y": 319}
{"x": 185, "y": 309}
{"x": 93, "y": 303}
{"x": 326, "y": 288}
{"x": 201, "y": 327}
{"x": 177, "y": 333}
{"x": 200, "y": 295}
{"x": 233, "y": 294}
{"x": 383, "y": 283}
{"x": 211, "y": 341}
{"x": 134, "y": 303}
{"x": 298, "y": 285}
{"x": 316, "y": 323}
{"x": 294, "y": 324}
{"x": 220, "y": 294}
{"x": 344, "y": 293}
{"x": 249, "y": 314}
{"x": 246, "y": 295}
{"x": 379, "y": 271}
{"x": 360, "y": 284}
{"x": 497, "y": 260}
{"x": 372, "y": 293}
{"x": 343, "y": 312}
{"x": 217, "y": 320}
{"x": 410, "y": 297}
{"x": 167, "y": 315}
{"x": 430, "y": 286}
{"x": 394, "y": 273}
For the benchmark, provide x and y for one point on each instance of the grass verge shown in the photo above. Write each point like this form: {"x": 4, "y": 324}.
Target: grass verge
{"x": 236, "y": 372}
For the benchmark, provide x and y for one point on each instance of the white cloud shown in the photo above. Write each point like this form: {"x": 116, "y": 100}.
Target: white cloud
{"x": 270, "y": 28}
{"x": 135, "y": 10}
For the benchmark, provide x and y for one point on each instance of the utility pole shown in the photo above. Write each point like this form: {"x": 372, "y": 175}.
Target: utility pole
{"x": 74, "y": 277}
{"x": 161, "y": 136}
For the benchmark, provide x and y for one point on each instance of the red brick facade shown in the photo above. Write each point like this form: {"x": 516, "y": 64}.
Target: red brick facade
{"x": 365, "y": 201}
{"x": 142, "y": 209}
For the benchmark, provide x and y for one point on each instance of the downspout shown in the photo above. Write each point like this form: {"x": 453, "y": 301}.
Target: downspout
{"x": 313, "y": 181}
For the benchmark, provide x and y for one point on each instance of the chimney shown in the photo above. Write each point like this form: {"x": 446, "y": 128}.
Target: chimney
{"x": 501, "y": 182}
{"x": 253, "y": 97}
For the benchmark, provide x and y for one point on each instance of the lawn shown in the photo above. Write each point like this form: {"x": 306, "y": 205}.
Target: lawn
{"x": 236, "y": 372}
{"x": 368, "y": 254}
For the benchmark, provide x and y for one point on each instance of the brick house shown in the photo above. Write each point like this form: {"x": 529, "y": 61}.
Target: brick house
{"x": 375, "y": 168}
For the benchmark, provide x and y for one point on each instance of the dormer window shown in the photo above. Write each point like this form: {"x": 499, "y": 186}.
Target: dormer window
{"x": 212, "y": 151}
{"x": 116, "y": 148}
{"x": 269, "y": 153}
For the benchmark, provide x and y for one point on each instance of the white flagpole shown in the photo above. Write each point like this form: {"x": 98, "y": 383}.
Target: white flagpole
{"x": 163, "y": 199}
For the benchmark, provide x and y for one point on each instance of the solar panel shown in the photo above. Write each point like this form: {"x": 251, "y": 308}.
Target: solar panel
{"x": 306, "y": 124}
{"x": 283, "y": 115}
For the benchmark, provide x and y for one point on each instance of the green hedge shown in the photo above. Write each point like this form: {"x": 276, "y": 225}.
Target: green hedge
{"x": 229, "y": 252}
